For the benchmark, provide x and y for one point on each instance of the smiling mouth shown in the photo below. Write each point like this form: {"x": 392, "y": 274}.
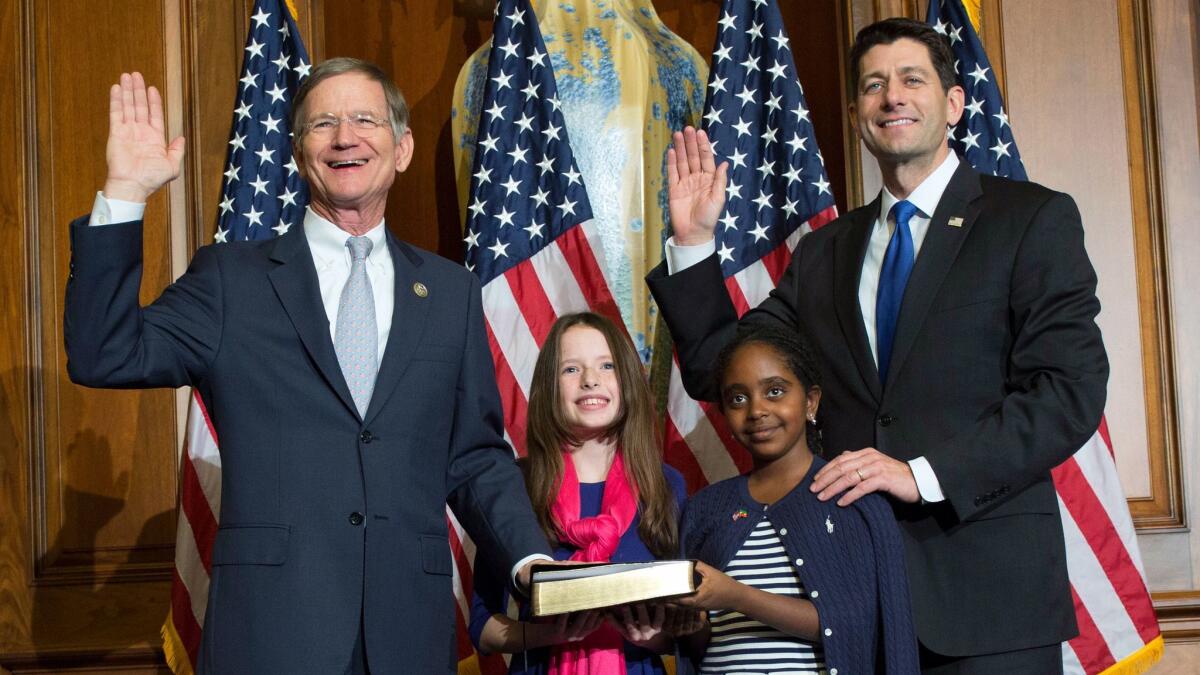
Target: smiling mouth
{"x": 592, "y": 402}
{"x": 887, "y": 124}
{"x": 761, "y": 433}
{"x": 347, "y": 163}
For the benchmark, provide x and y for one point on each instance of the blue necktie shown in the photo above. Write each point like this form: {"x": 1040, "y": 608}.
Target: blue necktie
{"x": 897, "y": 265}
{"x": 356, "y": 338}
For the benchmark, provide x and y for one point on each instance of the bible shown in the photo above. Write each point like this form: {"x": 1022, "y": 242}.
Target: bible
{"x": 558, "y": 589}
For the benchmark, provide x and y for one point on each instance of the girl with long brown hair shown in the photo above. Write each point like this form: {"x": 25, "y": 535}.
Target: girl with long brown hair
{"x": 601, "y": 492}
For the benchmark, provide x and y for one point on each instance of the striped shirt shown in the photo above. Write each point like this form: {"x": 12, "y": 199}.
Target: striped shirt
{"x": 739, "y": 644}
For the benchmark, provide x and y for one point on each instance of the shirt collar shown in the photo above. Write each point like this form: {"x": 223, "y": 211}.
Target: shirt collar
{"x": 328, "y": 241}
{"x": 928, "y": 193}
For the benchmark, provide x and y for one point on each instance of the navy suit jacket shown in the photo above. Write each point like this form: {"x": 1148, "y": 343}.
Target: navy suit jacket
{"x": 327, "y": 519}
{"x": 998, "y": 373}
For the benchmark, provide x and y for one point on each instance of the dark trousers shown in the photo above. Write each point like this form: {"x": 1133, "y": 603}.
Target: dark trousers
{"x": 1036, "y": 661}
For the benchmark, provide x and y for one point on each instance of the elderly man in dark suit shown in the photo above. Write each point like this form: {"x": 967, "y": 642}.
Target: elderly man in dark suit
{"x": 374, "y": 400}
{"x": 955, "y": 315}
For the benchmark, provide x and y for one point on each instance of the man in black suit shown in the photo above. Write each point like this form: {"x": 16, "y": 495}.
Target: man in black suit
{"x": 347, "y": 376}
{"x": 955, "y": 315}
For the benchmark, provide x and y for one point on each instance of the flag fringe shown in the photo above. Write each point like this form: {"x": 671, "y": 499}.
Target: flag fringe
{"x": 173, "y": 650}
{"x": 1139, "y": 661}
{"x": 469, "y": 665}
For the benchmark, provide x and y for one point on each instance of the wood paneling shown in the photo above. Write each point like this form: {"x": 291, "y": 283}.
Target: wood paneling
{"x": 87, "y": 477}
{"x": 1164, "y": 507}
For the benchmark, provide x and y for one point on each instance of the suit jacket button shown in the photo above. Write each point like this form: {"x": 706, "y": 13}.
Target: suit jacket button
{"x": 886, "y": 420}
{"x": 978, "y": 501}
{"x": 366, "y": 437}
{"x": 356, "y": 518}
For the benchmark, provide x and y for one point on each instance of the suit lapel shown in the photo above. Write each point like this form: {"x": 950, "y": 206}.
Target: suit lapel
{"x": 850, "y": 247}
{"x": 295, "y": 283}
{"x": 408, "y": 322}
{"x": 938, "y": 251}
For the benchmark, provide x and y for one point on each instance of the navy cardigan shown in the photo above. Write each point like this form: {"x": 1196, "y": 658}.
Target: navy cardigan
{"x": 849, "y": 559}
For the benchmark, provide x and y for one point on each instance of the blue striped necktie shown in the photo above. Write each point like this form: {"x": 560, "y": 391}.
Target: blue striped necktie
{"x": 893, "y": 277}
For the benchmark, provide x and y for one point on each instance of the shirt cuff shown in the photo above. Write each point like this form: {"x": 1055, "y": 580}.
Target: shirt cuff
{"x": 679, "y": 258}
{"x": 521, "y": 563}
{"x": 106, "y": 211}
{"x": 927, "y": 482}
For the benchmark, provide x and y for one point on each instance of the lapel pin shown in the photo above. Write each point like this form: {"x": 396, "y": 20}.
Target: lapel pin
{"x": 739, "y": 514}
{"x": 956, "y": 221}
{"x": 420, "y": 290}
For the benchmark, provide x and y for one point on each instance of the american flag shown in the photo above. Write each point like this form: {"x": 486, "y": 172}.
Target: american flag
{"x": 1117, "y": 626}
{"x": 261, "y": 197}
{"x": 983, "y": 136}
{"x": 529, "y": 231}
{"x": 757, "y": 120}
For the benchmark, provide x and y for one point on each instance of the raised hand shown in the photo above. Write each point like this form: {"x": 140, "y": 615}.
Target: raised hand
{"x": 139, "y": 159}
{"x": 695, "y": 187}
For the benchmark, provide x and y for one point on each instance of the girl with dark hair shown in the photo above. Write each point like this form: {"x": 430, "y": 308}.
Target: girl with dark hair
{"x": 790, "y": 583}
{"x": 595, "y": 477}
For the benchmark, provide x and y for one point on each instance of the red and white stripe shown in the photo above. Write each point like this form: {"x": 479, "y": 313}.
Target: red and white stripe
{"x": 1112, "y": 603}
{"x": 199, "y": 506}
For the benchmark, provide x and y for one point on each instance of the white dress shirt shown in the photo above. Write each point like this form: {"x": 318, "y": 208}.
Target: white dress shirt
{"x": 925, "y": 197}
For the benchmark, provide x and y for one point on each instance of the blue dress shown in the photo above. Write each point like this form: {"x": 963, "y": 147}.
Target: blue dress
{"x": 491, "y": 584}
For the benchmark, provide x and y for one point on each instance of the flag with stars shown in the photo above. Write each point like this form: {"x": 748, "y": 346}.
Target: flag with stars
{"x": 757, "y": 119}
{"x": 529, "y": 231}
{"x": 261, "y": 197}
{"x": 263, "y": 194}
{"x": 529, "y": 235}
{"x": 983, "y": 136}
{"x": 1118, "y": 631}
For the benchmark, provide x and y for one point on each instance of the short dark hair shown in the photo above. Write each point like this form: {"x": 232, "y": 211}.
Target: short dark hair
{"x": 793, "y": 348}
{"x": 397, "y": 107}
{"x": 888, "y": 31}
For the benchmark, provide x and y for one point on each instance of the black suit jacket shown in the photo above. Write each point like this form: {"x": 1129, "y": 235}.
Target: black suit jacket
{"x": 326, "y": 518}
{"x": 998, "y": 373}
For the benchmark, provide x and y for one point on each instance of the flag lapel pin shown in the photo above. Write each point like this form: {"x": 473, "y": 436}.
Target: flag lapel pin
{"x": 956, "y": 221}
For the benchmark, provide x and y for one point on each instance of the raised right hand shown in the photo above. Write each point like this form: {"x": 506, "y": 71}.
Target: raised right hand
{"x": 139, "y": 159}
{"x": 695, "y": 187}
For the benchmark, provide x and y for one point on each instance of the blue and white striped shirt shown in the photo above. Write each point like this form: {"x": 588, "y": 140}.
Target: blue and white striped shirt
{"x": 740, "y": 644}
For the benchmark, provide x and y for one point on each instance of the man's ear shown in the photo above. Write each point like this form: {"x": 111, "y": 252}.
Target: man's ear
{"x": 404, "y": 150}
{"x": 852, "y": 111}
{"x": 298, "y": 158}
{"x": 955, "y": 101}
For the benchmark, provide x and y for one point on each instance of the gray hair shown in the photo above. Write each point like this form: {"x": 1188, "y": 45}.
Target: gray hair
{"x": 397, "y": 107}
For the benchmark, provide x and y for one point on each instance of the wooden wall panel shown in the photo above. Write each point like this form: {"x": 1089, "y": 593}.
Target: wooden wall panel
{"x": 424, "y": 45}
{"x": 87, "y": 477}
{"x": 105, "y": 484}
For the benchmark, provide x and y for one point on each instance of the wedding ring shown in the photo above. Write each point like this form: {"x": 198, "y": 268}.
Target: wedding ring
{"x": 861, "y": 478}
